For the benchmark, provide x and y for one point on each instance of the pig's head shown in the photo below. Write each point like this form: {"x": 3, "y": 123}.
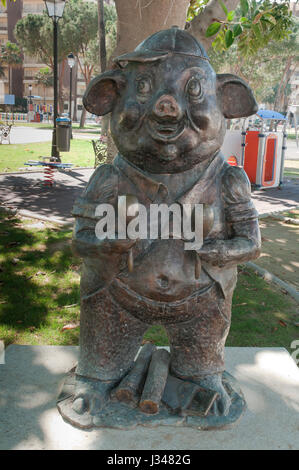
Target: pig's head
{"x": 168, "y": 105}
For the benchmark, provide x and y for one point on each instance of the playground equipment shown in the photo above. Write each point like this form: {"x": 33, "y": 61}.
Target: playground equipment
{"x": 49, "y": 169}
{"x": 258, "y": 150}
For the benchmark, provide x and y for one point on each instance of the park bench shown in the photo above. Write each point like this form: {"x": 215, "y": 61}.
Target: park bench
{"x": 100, "y": 151}
{"x": 5, "y": 132}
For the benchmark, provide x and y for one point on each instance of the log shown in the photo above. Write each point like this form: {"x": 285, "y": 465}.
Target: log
{"x": 155, "y": 382}
{"x": 127, "y": 390}
{"x": 178, "y": 394}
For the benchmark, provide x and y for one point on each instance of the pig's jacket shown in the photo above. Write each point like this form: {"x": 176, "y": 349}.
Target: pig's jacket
{"x": 156, "y": 275}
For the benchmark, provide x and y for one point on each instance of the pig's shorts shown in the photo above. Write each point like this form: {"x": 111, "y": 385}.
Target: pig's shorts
{"x": 114, "y": 320}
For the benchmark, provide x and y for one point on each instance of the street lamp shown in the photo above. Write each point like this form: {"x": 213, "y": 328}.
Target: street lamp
{"x": 55, "y": 11}
{"x": 30, "y": 91}
{"x": 71, "y": 62}
{"x": 30, "y": 102}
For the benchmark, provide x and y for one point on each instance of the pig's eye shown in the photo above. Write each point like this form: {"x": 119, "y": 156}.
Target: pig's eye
{"x": 194, "y": 88}
{"x": 143, "y": 86}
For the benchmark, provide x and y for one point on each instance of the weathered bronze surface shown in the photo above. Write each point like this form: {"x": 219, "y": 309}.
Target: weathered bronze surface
{"x": 168, "y": 110}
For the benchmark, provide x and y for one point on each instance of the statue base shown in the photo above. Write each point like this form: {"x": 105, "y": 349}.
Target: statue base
{"x": 119, "y": 415}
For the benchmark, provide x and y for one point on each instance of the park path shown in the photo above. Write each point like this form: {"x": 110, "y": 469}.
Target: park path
{"x": 26, "y": 191}
{"x": 27, "y": 135}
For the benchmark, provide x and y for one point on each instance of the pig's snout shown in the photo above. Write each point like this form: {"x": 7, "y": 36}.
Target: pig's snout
{"x": 167, "y": 107}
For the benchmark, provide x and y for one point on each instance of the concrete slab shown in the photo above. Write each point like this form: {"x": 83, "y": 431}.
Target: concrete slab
{"x": 31, "y": 378}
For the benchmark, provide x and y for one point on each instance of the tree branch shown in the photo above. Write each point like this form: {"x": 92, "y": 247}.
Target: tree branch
{"x": 200, "y": 23}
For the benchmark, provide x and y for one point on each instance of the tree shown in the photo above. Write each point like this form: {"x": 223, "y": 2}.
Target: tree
{"x": 12, "y": 58}
{"x": 251, "y": 23}
{"x": 77, "y": 32}
{"x": 4, "y": 2}
{"x": 268, "y": 71}
{"x": 34, "y": 34}
{"x": 79, "y": 29}
{"x": 45, "y": 78}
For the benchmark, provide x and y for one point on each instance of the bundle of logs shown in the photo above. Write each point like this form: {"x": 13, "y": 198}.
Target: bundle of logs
{"x": 149, "y": 383}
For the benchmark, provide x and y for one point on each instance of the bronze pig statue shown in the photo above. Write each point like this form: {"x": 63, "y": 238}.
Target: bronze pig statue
{"x": 168, "y": 110}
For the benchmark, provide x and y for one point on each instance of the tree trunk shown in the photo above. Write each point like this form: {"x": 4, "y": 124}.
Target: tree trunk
{"x": 75, "y": 92}
{"x": 102, "y": 39}
{"x": 82, "y": 118}
{"x": 287, "y": 73}
{"x": 138, "y": 19}
{"x": 9, "y": 80}
{"x": 60, "y": 91}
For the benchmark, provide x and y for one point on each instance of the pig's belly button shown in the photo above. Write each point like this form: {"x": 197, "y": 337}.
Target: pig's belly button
{"x": 162, "y": 281}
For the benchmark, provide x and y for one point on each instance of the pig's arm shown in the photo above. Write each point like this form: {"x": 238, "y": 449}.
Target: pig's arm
{"x": 244, "y": 241}
{"x": 102, "y": 188}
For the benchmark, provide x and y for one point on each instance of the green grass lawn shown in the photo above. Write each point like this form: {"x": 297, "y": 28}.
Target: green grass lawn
{"x": 39, "y": 293}
{"x": 13, "y": 157}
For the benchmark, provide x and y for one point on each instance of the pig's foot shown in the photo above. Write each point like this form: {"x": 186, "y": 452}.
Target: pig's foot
{"x": 213, "y": 382}
{"x": 90, "y": 395}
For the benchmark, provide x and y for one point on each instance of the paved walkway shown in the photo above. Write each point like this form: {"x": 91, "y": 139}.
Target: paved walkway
{"x": 25, "y": 191}
{"x": 27, "y": 135}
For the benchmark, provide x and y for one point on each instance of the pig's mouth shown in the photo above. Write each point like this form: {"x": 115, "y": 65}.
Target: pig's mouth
{"x": 168, "y": 132}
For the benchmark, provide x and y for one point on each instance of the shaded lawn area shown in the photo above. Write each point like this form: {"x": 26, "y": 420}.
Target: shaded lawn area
{"x": 13, "y": 157}
{"x": 291, "y": 168}
{"x": 39, "y": 293}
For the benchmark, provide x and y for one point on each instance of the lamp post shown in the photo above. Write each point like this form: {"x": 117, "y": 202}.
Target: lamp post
{"x": 71, "y": 62}
{"x": 30, "y": 102}
{"x": 55, "y": 11}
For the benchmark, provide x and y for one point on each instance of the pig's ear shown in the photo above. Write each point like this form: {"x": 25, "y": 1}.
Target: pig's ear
{"x": 235, "y": 96}
{"x": 103, "y": 91}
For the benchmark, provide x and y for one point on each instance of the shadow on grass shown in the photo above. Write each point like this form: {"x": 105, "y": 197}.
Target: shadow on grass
{"x": 39, "y": 280}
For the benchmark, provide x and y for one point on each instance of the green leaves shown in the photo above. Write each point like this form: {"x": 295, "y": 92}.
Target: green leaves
{"x": 230, "y": 16}
{"x": 223, "y": 7}
{"x": 237, "y": 30}
{"x": 195, "y": 7}
{"x": 259, "y": 22}
{"x": 213, "y": 29}
{"x": 244, "y": 7}
{"x": 228, "y": 38}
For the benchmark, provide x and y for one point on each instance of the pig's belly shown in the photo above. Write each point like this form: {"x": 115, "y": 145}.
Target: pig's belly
{"x": 166, "y": 273}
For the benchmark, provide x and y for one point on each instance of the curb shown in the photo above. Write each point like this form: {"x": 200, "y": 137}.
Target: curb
{"x": 278, "y": 213}
{"x": 29, "y": 215}
{"x": 272, "y": 278}
{"x": 52, "y": 220}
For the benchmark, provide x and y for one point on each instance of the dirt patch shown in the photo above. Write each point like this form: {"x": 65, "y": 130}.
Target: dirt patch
{"x": 280, "y": 250}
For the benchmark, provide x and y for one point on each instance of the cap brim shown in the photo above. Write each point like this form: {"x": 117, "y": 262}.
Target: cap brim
{"x": 141, "y": 56}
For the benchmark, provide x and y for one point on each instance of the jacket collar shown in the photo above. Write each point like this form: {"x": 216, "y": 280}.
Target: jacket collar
{"x": 156, "y": 191}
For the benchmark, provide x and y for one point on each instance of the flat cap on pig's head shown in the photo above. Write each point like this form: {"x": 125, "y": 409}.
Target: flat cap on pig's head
{"x": 168, "y": 105}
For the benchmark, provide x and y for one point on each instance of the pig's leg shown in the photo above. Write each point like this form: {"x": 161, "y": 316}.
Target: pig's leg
{"x": 109, "y": 341}
{"x": 197, "y": 346}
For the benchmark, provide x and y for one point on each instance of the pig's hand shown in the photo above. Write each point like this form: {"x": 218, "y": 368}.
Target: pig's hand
{"x": 117, "y": 246}
{"x": 88, "y": 246}
{"x": 229, "y": 252}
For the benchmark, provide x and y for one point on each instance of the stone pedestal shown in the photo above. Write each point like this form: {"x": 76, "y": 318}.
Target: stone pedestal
{"x": 32, "y": 376}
